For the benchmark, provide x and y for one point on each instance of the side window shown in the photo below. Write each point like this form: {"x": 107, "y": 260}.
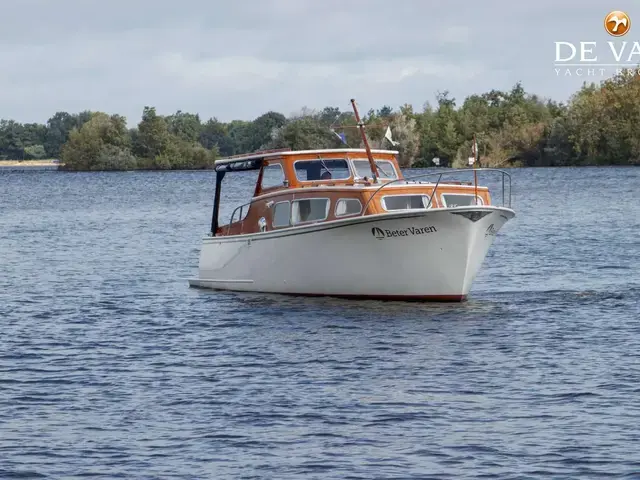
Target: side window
{"x": 309, "y": 210}
{"x": 385, "y": 167}
{"x": 272, "y": 176}
{"x": 459, "y": 200}
{"x": 405, "y": 202}
{"x": 281, "y": 214}
{"x": 324, "y": 169}
{"x": 348, "y": 206}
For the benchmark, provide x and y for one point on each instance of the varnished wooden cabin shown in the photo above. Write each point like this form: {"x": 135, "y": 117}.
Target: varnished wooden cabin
{"x": 298, "y": 188}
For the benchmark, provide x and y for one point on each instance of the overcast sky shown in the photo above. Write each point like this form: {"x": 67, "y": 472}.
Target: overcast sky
{"x": 236, "y": 59}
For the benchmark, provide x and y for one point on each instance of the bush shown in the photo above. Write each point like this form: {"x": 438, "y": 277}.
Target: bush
{"x": 115, "y": 158}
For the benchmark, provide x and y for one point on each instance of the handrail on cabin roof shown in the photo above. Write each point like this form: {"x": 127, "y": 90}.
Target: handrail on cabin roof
{"x": 288, "y": 152}
{"x": 440, "y": 173}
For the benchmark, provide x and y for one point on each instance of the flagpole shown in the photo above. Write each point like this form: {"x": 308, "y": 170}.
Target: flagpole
{"x": 374, "y": 167}
{"x": 475, "y": 159}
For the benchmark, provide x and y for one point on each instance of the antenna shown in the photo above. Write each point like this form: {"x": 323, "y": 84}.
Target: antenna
{"x": 374, "y": 167}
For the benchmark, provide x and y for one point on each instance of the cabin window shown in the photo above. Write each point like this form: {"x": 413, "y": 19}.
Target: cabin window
{"x": 459, "y": 200}
{"x": 281, "y": 214}
{"x": 322, "y": 169}
{"x": 348, "y": 206}
{"x": 405, "y": 202}
{"x": 272, "y": 176}
{"x": 385, "y": 168}
{"x": 309, "y": 210}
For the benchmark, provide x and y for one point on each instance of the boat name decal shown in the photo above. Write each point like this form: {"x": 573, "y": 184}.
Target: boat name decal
{"x": 490, "y": 231}
{"x": 380, "y": 233}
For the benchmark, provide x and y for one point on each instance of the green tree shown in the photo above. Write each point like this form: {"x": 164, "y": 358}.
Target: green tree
{"x": 215, "y": 134}
{"x": 87, "y": 147}
{"x": 11, "y": 140}
{"x": 59, "y": 127}
{"x": 112, "y": 157}
{"x": 186, "y": 126}
{"x": 153, "y": 136}
{"x": 35, "y": 152}
{"x": 262, "y": 129}
{"x": 240, "y": 134}
{"x": 304, "y": 133}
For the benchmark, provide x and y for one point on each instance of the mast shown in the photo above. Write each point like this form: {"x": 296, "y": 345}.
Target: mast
{"x": 374, "y": 167}
{"x": 475, "y": 160}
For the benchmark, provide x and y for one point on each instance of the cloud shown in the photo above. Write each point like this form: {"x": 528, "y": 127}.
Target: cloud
{"x": 239, "y": 59}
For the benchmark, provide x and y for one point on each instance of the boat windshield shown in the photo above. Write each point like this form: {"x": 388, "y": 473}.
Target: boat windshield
{"x": 385, "y": 168}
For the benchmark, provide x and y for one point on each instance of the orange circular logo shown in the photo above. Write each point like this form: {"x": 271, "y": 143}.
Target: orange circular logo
{"x": 617, "y": 23}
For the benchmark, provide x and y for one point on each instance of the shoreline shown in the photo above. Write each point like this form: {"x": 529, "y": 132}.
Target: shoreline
{"x": 29, "y": 163}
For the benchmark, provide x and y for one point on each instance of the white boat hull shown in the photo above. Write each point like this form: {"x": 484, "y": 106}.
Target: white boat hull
{"x": 410, "y": 255}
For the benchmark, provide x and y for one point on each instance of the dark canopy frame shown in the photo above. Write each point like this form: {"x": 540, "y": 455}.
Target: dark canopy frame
{"x": 221, "y": 171}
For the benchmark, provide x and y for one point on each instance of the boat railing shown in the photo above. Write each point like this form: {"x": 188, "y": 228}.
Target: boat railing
{"x": 239, "y": 208}
{"x": 440, "y": 174}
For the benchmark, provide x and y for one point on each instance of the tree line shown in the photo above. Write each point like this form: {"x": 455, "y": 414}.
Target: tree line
{"x": 597, "y": 126}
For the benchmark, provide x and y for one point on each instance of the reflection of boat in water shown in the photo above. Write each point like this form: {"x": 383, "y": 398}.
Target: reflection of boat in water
{"x": 347, "y": 223}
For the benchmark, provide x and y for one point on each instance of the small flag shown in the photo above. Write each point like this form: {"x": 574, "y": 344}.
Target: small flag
{"x": 341, "y": 136}
{"x": 387, "y": 135}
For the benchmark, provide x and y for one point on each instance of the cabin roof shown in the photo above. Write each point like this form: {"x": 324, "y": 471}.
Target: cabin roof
{"x": 287, "y": 152}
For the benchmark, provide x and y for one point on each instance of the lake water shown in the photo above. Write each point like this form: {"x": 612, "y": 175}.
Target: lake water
{"x": 111, "y": 366}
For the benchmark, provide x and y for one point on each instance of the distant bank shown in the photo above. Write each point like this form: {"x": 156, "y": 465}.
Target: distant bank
{"x": 29, "y": 163}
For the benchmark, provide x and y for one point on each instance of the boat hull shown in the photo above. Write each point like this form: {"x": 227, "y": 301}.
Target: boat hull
{"x": 411, "y": 255}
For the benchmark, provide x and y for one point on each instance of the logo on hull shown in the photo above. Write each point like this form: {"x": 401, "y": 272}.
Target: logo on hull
{"x": 490, "y": 231}
{"x": 379, "y": 233}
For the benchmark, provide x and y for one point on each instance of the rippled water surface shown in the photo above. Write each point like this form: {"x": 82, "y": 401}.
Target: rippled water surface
{"x": 111, "y": 366}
